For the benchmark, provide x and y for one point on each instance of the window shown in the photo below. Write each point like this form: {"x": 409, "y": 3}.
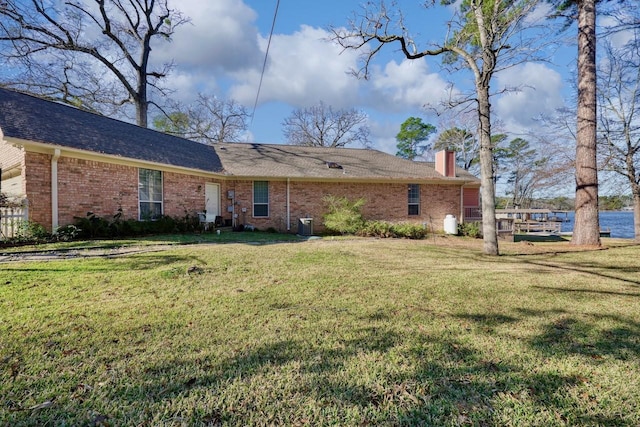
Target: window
{"x": 414, "y": 199}
{"x": 150, "y": 194}
{"x": 260, "y": 198}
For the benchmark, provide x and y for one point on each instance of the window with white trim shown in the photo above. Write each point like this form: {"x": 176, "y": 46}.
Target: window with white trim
{"x": 414, "y": 199}
{"x": 150, "y": 194}
{"x": 260, "y": 198}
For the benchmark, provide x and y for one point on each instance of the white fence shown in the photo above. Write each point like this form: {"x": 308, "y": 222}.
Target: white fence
{"x": 11, "y": 219}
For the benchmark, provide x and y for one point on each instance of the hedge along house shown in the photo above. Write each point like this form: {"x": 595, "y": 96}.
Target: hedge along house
{"x": 66, "y": 162}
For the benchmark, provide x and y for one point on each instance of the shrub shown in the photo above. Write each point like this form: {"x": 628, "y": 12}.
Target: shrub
{"x": 344, "y": 216}
{"x": 384, "y": 229}
{"x": 33, "y": 230}
{"x": 93, "y": 226}
{"x": 470, "y": 229}
{"x": 410, "y": 230}
{"x": 28, "y": 232}
{"x": 66, "y": 233}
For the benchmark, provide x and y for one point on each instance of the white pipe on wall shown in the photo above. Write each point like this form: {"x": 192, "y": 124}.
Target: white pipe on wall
{"x": 288, "y": 206}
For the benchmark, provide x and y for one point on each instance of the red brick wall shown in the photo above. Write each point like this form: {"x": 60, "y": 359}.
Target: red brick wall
{"x": 98, "y": 187}
{"x": 102, "y": 188}
{"x": 184, "y": 194}
{"x": 37, "y": 182}
{"x": 383, "y": 202}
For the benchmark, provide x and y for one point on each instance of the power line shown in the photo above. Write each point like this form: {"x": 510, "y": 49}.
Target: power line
{"x": 264, "y": 64}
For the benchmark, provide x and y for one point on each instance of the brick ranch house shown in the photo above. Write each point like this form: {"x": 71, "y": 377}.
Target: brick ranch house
{"x": 66, "y": 162}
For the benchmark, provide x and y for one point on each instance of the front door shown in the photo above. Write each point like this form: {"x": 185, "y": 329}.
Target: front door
{"x": 212, "y": 200}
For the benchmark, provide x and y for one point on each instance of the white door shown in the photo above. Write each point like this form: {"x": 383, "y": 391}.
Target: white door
{"x": 212, "y": 200}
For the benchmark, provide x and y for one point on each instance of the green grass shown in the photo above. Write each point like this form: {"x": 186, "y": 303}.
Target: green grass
{"x": 324, "y": 332}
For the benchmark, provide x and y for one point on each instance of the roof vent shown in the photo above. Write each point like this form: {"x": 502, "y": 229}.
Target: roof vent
{"x": 334, "y": 165}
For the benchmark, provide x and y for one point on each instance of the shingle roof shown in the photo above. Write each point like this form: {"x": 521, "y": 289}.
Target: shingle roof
{"x": 279, "y": 161}
{"x": 34, "y": 119}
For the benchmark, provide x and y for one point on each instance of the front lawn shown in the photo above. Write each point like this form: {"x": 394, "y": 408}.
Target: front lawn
{"x": 324, "y": 332}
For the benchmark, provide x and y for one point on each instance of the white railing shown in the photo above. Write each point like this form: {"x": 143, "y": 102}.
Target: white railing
{"x": 537, "y": 227}
{"x": 11, "y": 219}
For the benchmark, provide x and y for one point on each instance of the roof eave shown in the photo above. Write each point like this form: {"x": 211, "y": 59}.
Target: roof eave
{"x": 47, "y": 148}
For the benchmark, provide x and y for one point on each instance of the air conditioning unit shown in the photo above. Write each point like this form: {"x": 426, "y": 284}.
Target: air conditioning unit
{"x": 305, "y": 226}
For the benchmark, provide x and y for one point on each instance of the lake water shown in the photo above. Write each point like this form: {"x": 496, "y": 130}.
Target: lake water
{"x": 619, "y": 222}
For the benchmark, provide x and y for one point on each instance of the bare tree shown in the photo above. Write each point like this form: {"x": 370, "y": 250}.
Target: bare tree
{"x": 527, "y": 171}
{"x": 460, "y": 135}
{"x": 619, "y": 107}
{"x": 554, "y": 136}
{"x": 463, "y": 142}
{"x": 485, "y": 36}
{"x": 94, "y": 54}
{"x": 209, "y": 120}
{"x": 322, "y": 126}
{"x": 623, "y": 18}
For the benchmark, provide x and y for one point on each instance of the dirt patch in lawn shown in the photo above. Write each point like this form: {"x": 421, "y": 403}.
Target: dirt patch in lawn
{"x": 58, "y": 254}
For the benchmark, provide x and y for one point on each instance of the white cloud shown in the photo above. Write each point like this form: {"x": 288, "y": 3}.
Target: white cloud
{"x": 221, "y": 52}
{"x": 619, "y": 38}
{"x": 303, "y": 69}
{"x": 384, "y": 135}
{"x": 538, "y": 90}
{"x": 539, "y": 14}
{"x": 408, "y": 84}
{"x": 220, "y": 36}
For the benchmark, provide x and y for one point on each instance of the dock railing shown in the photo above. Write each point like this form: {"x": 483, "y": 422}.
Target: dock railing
{"x": 537, "y": 227}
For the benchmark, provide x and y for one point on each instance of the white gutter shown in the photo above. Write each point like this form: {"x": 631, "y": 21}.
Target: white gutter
{"x": 54, "y": 189}
{"x": 288, "y": 207}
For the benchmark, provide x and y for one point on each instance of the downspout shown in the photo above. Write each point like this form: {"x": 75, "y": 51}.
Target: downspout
{"x": 288, "y": 206}
{"x": 54, "y": 190}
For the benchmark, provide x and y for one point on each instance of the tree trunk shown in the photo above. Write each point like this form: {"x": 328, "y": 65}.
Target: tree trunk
{"x": 586, "y": 230}
{"x": 488, "y": 190}
{"x": 142, "y": 108}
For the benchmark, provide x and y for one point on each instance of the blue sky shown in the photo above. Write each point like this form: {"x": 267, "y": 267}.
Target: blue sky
{"x": 222, "y": 50}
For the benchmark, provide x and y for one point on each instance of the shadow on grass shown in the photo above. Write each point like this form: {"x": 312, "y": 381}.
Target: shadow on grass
{"x": 582, "y": 336}
{"x": 451, "y": 384}
{"x": 586, "y": 291}
{"x": 605, "y": 271}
